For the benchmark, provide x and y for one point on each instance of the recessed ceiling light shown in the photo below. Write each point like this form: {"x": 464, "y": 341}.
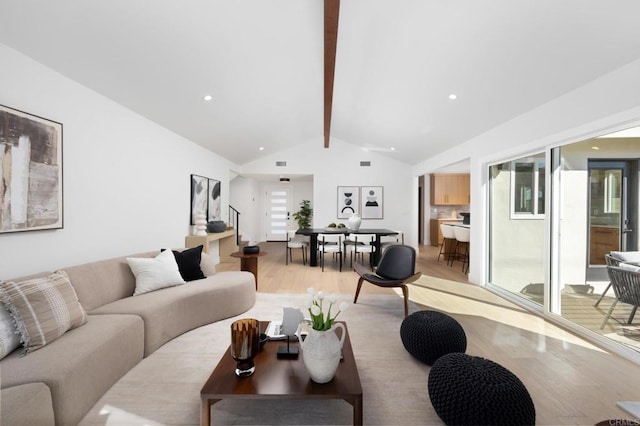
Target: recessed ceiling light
{"x": 595, "y": 148}
{"x": 393, "y": 148}
{"x": 261, "y": 148}
{"x": 453, "y": 96}
{"x": 208, "y": 97}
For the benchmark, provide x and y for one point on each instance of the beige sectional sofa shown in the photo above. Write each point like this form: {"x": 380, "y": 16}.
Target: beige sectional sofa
{"x": 60, "y": 382}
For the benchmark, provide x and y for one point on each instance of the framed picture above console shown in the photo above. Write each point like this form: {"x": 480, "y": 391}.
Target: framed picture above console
{"x": 199, "y": 191}
{"x": 205, "y": 198}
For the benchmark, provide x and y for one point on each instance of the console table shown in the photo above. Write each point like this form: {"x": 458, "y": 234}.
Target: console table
{"x": 226, "y": 243}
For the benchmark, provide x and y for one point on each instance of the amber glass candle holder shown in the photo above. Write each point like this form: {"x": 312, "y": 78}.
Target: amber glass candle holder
{"x": 245, "y": 344}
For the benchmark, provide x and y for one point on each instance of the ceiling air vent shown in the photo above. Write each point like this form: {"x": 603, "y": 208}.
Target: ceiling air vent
{"x": 281, "y": 164}
{"x": 365, "y": 164}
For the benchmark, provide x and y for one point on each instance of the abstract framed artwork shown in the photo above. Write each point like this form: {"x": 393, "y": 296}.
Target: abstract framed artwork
{"x": 372, "y": 202}
{"x": 199, "y": 196}
{"x": 30, "y": 172}
{"x": 213, "y": 200}
{"x": 348, "y": 201}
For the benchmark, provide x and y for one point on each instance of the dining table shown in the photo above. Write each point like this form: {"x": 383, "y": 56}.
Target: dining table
{"x": 313, "y": 233}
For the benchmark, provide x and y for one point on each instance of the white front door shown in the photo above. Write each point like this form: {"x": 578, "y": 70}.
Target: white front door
{"x": 277, "y": 214}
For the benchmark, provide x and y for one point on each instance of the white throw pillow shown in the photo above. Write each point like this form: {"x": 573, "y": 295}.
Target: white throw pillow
{"x": 207, "y": 265}
{"x": 9, "y": 338}
{"x": 153, "y": 274}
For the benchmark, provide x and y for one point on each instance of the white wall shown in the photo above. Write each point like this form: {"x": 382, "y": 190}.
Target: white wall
{"x": 245, "y": 197}
{"x": 339, "y": 165}
{"x": 126, "y": 179}
{"x": 609, "y": 103}
{"x": 248, "y": 196}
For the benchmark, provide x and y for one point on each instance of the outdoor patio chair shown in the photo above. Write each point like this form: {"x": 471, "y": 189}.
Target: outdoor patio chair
{"x": 625, "y": 280}
{"x": 611, "y": 261}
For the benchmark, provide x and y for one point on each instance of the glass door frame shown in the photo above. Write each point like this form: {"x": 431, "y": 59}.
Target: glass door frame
{"x": 598, "y": 272}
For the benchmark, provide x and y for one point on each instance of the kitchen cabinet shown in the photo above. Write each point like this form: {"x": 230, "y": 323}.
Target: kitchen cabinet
{"x": 450, "y": 189}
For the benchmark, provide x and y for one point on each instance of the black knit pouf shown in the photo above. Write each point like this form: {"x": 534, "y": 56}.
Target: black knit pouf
{"x": 427, "y": 335}
{"x": 469, "y": 390}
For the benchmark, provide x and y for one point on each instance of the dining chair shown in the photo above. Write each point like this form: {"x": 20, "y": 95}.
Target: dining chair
{"x": 330, "y": 243}
{"x": 361, "y": 244}
{"x": 295, "y": 241}
{"x": 387, "y": 241}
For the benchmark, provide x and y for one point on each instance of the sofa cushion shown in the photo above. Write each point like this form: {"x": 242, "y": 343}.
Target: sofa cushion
{"x": 188, "y": 261}
{"x": 80, "y": 366}
{"x": 153, "y": 274}
{"x": 208, "y": 300}
{"x": 27, "y": 405}
{"x": 43, "y": 308}
{"x": 104, "y": 281}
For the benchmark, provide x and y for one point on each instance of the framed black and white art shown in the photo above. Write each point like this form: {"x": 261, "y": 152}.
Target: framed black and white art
{"x": 348, "y": 201}
{"x": 199, "y": 196}
{"x": 213, "y": 202}
{"x": 372, "y": 202}
{"x": 30, "y": 172}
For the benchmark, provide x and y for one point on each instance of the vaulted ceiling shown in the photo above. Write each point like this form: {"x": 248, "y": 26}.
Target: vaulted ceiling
{"x": 262, "y": 61}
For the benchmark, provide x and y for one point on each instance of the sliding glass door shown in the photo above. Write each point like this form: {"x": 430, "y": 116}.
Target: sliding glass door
{"x": 548, "y": 235}
{"x": 517, "y": 227}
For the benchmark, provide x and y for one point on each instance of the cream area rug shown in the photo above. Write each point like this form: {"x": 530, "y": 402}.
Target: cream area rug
{"x": 164, "y": 388}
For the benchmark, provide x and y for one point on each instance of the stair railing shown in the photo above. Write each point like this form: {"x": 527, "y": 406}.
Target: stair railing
{"x": 234, "y": 221}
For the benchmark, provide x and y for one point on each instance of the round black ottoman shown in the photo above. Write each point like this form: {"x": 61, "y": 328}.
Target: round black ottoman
{"x": 427, "y": 335}
{"x": 469, "y": 390}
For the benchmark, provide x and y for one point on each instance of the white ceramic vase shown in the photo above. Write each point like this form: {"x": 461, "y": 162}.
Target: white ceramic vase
{"x": 354, "y": 222}
{"x": 321, "y": 351}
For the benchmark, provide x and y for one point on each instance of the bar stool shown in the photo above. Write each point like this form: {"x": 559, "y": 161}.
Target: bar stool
{"x": 448, "y": 236}
{"x": 462, "y": 238}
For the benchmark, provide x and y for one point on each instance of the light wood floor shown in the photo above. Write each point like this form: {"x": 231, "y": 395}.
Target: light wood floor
{"x": 275, "y": 277}
{"x": 572, "y": 381}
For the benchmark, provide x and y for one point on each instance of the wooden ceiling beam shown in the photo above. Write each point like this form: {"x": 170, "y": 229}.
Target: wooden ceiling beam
{"x": 331, "y": 12}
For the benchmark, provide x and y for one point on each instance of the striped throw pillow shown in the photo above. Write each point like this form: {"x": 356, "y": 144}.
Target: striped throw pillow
{"x": 43, "y": 308}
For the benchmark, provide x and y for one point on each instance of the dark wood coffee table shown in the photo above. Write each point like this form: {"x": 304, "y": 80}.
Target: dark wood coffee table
{"x": 273, "y": 379}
